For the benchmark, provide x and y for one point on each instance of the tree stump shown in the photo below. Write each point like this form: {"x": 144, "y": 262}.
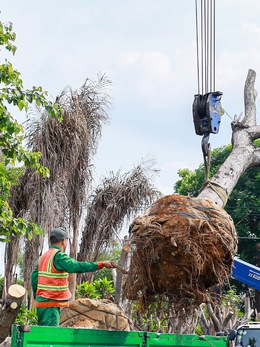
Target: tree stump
{"x": 9, "y": 309}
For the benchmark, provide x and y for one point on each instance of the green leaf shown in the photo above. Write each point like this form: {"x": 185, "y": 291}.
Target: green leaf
{"x": 13, "y": 153}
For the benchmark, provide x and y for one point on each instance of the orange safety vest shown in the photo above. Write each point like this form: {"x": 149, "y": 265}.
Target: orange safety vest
{"x": 52, "y": 284}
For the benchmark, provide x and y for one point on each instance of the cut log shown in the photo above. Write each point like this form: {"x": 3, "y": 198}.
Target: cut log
{"x": 9, "y": 309}
{"x": 7, "y": 342}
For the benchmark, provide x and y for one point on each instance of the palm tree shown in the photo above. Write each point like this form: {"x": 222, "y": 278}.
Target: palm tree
{"x": 115, "y": 200}
{"x": 67, "y": 148}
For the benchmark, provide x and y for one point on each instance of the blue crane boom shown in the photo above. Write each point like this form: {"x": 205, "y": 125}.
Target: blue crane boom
{"x": 246, "y": 273}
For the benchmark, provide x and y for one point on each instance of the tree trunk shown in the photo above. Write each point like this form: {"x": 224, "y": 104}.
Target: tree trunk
{"x": 31, "y": 255}
{"x": 124, "y": 262}
{"x": 223, "y": 318}
{"x": 73, "y": 253}
{"x": 9, "y": 309}
{"x": 244, "y": 154}
{"x": 11, "y": 255}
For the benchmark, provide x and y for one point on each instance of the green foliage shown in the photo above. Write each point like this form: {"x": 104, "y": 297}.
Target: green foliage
{"x": 97, "y": 289}
{"x": 191, "y": 182}
{"x": 199, "y": 330}
{"x": 114, "y": 256}
{"x": 86, "y": 290}
{"x": 104, "y": 287}
{"x": 26, "y": 317}
{"x": 154, "y": 318}
{"x": 7, "y": 36}
{"x": 12, "y": 92}
{"x": 231, "y": 298}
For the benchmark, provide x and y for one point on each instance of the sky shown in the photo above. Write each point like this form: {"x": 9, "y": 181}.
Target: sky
{"x": 147, "y": 48}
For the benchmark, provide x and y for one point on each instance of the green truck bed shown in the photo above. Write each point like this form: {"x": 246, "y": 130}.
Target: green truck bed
{"x": 36, "y": 336}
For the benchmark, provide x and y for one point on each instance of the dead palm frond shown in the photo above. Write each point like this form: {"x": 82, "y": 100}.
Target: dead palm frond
{"x": 117, "y": 197}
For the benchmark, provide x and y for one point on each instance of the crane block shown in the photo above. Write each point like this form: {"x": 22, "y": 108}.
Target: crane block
{"x": 207, "y": 113}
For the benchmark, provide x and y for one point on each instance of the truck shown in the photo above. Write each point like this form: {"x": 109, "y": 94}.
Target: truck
{"x": 38, "y": 336}
{"x": 246, "y": 273}
{"x": 245, "y": 335}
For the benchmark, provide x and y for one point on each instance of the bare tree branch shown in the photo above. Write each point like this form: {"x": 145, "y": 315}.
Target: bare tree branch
{"x": 213, "y": 317}
{"x": 249, "y": 99}
{"x": 242, "y": 155}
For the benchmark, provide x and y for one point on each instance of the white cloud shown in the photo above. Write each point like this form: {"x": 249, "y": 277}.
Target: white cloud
{"x": 232, "y": 66}
{"x": 155, "y": 77}
{"x": 251, "y": 32}
{"x": 154, "y": 68}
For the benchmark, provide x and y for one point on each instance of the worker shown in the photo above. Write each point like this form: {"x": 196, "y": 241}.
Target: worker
{"x": 50, "y": 278}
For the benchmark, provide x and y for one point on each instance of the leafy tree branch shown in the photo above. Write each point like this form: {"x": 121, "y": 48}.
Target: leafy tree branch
{"x": 14, "y": 157}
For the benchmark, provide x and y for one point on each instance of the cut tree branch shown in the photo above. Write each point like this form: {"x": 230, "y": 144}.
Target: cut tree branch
{"x": 10, "y": 309}
{"x": 249, "y": 98}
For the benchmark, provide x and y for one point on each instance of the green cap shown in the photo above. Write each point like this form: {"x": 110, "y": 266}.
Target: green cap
{"x": 60, "y": 234}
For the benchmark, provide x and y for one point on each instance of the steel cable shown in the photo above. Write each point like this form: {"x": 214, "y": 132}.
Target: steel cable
{"x": 205, "y": 45}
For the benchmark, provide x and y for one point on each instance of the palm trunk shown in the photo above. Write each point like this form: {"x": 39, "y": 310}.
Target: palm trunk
{"x": 33, "y": 249}
{"x": 73, "y": 254}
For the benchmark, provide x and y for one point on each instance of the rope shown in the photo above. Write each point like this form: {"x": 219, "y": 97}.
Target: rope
{"x": 220, "y": 191}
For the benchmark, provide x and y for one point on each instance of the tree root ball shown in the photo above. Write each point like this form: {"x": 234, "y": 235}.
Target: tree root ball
{"x": 181, "y": 247}
{"x": 95, "y": 314}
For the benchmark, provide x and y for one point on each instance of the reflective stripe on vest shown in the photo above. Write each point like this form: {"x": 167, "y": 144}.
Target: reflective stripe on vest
{"x": 52, "y": 284}
{"x": 44, "y": 304}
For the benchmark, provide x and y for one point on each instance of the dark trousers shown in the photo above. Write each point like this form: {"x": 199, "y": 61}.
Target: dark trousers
{"x": 48, "y": 316}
